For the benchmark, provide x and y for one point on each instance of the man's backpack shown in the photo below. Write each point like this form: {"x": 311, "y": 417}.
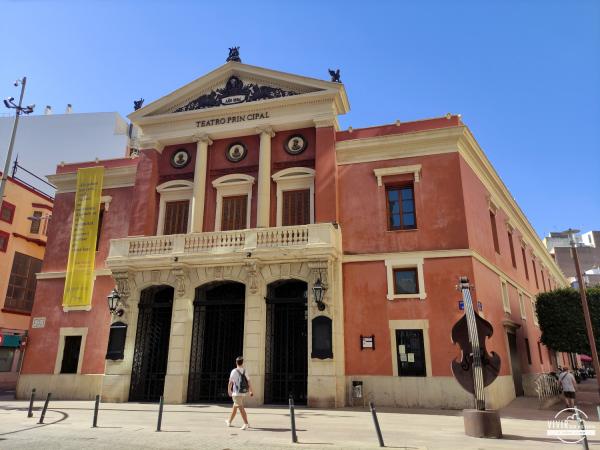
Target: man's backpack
{"x": 243, "y": 387}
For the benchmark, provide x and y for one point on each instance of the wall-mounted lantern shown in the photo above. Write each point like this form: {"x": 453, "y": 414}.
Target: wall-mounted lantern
{"x": 114, "y": 302}
{"x": 319, "y": 289}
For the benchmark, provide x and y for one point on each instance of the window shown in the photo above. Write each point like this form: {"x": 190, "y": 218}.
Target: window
{"x": 539, "y": 346}
{"x": 21, "y": 284}
{"x": 7, "y": 355}
{"x": 176, "y": 217}
{"x": 7, "y": 212}
{"x": 70, "y": 359}
{"x": 406, "y": 281}
{"x": 522, "y": 306}
{"x": 36, "y": 220}
{"x": 116, "y": 341}
{"x": 537, "y": 285}
{"x": 234, "y": 212}
{"x": 296, "y": 207}
{"x": 401, "y": 208}
{"x": 410, "y": 352}
{"x": 543, "y": 279}
{"x": 295, "y": 196}
{"x": 100, "y": 222}
{"x": 4, "y": 236}
{"x": 505, "y": 298}
{"x": 494, "y": 231}
{"x": 512, "y": 250}
{"x": 528, "y": 351}
{"x": 525, "y": 263}
{"x": 533, "y": 308}
{"x": 405, "y": 278}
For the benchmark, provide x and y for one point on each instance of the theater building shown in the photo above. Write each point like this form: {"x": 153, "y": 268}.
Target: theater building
{"x": 241, "y": 195}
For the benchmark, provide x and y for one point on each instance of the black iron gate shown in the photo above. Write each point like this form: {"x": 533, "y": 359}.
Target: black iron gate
{"x": 151, "y": 344}
{"x": 286, "y": 368}
{"x": 217, "y": 339}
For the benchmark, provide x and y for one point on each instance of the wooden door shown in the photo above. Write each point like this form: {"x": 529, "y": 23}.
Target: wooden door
{"x": 296, "y": 207}
{"x": 176, "y": 217}
{"x": 234, "y": 213}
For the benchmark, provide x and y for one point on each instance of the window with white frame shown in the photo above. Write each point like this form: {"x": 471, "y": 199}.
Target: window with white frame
{"x": 405, "y": 278}
{"x": 505, "y": 298}
{"x": 410, "y": 348}
{"x": 71, "y": 345}
{"x": 295, "y": 196}
{"x": 236, "y": 188}
{"x": 174, "y": 214}
{"x": 522, "y": 306}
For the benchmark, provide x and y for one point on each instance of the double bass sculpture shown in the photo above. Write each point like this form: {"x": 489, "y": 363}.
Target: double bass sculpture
{"x": 476, "y": 368}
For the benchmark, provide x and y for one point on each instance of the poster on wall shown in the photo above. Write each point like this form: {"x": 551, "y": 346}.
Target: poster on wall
{"x": 82, "y": 249}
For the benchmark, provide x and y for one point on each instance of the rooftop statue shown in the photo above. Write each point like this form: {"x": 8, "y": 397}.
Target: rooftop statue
{"x": 335, "y": 75}
{"x": 234, "y": 55}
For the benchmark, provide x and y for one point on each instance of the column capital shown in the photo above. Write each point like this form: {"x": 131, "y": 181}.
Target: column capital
{"x": 266, "y": 130}
{"x": 150, "y": 143}
{"x": 202, "y": 137}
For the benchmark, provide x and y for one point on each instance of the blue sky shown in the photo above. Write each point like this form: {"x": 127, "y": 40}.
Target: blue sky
{"x": 525, "y": 75}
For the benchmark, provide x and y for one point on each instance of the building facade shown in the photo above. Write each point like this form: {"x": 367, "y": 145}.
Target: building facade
{"x": 24, "y": 216}
{"x": 242, "y": 201}
{"x": 588, "y": 252}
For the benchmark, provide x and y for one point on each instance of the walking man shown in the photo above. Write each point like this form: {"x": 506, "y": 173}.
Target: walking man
{"x": 567, "y": 381}
{"x": 238, "y": 387}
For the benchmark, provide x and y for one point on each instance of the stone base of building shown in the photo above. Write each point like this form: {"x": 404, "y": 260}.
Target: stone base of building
{"x": 427, "y": 392}
{"x": 62, "y": 386}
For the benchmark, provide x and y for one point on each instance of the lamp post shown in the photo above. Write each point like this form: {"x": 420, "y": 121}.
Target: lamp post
{"x": 584, "y": 303}
{"x": 19, "y": 109}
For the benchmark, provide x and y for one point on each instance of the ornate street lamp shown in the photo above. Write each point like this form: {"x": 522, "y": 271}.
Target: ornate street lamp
{"x": 113, "y": 303}
{"x": 319, "y": 290}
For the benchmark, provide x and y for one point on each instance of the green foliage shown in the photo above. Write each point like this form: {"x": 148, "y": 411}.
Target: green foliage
{"x": 560, "y": 316}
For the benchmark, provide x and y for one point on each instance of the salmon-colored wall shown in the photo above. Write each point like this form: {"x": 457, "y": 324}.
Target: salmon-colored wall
{"x": 438, "y": 204}
{"x": 367, "y": 311}
{"x": 326, "y": 177}
{"x": 144, "y": 201}
{"x": 42, "y": 343}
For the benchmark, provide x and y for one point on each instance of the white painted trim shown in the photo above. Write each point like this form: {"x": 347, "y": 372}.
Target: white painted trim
{"x": 55, "y": 275}
{"x": 70, "y": 331}
{"x": 415, "y": 169}
{"x": 114, "y": 177}
{"x": 231, "y": 185}
{"x": 171, "y": 191}
{"x": 422, "y": 324}
{"x": 505, "y": 296}
{"x": 291, "y": 179}
{"x": 522, "y": 305}
{"x": 412, "y": 262}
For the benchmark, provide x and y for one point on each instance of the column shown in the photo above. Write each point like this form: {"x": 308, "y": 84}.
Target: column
{"x": 199, "y": 191}
{"x": 264, "y": 179}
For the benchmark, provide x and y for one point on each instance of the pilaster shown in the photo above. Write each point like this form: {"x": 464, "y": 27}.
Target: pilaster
{"x": 264, "y": 178}
{"x": 199, "y": 190}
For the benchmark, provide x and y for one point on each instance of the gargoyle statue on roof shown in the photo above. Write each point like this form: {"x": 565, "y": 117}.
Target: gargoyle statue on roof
{"x": 335, "y": 75}
{"x": 234, "y": 55}
{"x": 137, "y": 104}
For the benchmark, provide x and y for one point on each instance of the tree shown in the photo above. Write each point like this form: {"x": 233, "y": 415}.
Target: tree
{"x": 560, "y": 316}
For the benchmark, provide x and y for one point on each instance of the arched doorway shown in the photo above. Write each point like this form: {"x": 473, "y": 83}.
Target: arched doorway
{"x": 151, "y": 344}
{"x": 217, "y": 339}
{"x": 286, "y": 361}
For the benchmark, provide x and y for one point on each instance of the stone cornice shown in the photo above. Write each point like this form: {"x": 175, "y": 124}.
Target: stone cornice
{"x": 114, "y": 177}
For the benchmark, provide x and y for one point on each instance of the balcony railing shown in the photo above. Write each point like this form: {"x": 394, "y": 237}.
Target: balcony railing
{"x": 222, "y": 242}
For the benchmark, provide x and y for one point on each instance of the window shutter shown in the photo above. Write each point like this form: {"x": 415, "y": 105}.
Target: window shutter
{"x": 234, "y": 212}
{"x": 296, "y": 207}
{"x": 176, "y": 217}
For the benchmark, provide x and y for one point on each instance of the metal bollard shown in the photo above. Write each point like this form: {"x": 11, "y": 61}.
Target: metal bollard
{"x": 96, "y": 406}
{"x": 376, "y": 422}
{"x": 45, "y": 408}
{"x": 30, "y": 411}
{"x": 293, "y": 420}
{"x": 160, "y": 411}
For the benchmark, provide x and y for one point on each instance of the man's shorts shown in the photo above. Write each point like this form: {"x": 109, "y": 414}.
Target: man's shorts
{"x": 238, "y": 400}
{"x": 569, "y": 394}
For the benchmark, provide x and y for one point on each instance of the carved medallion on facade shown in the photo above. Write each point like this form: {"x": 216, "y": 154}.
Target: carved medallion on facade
{"x": 180, "y": 158}
{"x": 236, "y": 152}
{"x": 295, "y": 144}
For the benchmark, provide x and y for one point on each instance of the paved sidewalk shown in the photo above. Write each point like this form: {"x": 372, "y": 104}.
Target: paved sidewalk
{"x": 133, "y": 425}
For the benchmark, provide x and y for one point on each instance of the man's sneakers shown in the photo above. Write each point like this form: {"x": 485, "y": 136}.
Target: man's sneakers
{"x": 244, "y": 427}
{"x": 228, "y": 423}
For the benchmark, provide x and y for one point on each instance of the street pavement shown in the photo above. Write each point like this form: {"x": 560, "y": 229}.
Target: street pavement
{"x": 67, "y": 425}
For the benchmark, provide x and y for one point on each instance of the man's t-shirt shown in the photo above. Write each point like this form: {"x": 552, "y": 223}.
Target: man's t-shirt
{"x": 236, "y": 377}
{"x": 567, "y": 381}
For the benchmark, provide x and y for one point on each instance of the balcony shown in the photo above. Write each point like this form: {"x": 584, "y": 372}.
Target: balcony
{"x": 292, "y": 242}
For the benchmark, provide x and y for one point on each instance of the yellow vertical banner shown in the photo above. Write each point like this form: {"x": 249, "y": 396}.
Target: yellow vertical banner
{"x": 82, "y": 250}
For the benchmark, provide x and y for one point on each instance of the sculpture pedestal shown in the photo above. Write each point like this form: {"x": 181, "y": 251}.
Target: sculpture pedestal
{"x": 482, "y": 424}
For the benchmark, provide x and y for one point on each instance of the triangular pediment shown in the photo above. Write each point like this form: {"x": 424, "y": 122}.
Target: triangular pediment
{"x": 236, "y": 83}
